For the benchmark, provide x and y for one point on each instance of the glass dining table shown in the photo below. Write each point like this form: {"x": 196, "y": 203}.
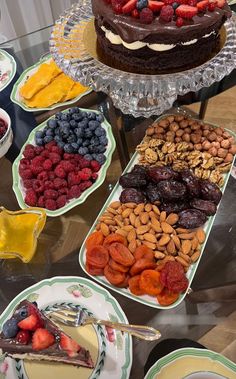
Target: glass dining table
{"x": 213, "y": 291}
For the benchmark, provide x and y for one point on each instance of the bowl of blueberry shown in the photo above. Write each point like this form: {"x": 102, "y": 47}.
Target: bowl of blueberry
{"x": 63, "y": 161}
{"x": 6, "y": 135}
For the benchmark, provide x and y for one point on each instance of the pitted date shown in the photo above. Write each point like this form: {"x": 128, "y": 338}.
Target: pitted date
{"x": 191, "y": 218}
{"x": 210, "y": 191}
{"x": 132, "y": 180}
{"x": 138, "y": 169}
{"x": 171, "y": 190}
{"x": 206, "y": 206}
{"x": 191, "y": 182}
{"x": 156, "y": 174}
{"x": 174, "y": 207}
{"x": 152, "y": 193}
{"x": 131, "y": 195}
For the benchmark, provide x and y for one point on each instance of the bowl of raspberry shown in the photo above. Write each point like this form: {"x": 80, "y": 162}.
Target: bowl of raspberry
{"x": 6, "y": 134}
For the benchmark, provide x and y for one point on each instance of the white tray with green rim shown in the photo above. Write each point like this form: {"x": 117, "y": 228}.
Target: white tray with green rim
{"x": 7, "y": 69}
{"x": 146, "y": 299}
{"x": 18, "y": 183}
{"x": 112, "y": 357}
{"x": 17, "y": 98}
{"x": 192, "y": 363}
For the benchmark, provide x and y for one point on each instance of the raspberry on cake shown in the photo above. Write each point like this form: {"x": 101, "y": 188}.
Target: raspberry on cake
{"x": 149, "y": 36}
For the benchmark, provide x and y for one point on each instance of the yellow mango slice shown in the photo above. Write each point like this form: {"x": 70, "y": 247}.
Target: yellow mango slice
{"x": 45, "y": 74}
{"x": 75, "y": 91}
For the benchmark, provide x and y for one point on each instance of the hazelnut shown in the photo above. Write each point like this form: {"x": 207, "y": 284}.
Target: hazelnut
{"x": 216, "y": 144}
{"x": 174, "y": 127}
{"x": 179, "y": 133}
{"x": 178, "y": 139}
{"x": 195, "y": 138}
{"x": 213, "y": 151}
{"x": 206, "y": 145}
{"x": 219, "y": 138}
{"x": 212, "y": 136}
{"x": 203, "y": 139}
{"x": 179, "y": 117}
{"x": 229, "y": 157}
{"x": 219, "y": 131}
{"x": 170, "y": 138}
{"x": 187, "y": 130}
{"x": 227, "y": 135}
{"x": 232, "y": 150}
{"x": 198, "y": 146}
{"x": 169, "y": 133}
{"x": 159, "y": 130}
{"x": 150, "y": 131}
{"x": 186, "y": 137}
{"x": 205, "y": 133}
{"x": 225, "y": 144}
{"x": 205, "y": 127}
{"x": 160, "y": 136}
{"x": 164, "y": 123}
{"x": 190, "y": 146}
{"x": 171, "y": 119}
{"x": 231, "y": 140}
{"x": 222, "y": 153}
{"x": 191, "y": 122}
{"x": 183, "y": 124}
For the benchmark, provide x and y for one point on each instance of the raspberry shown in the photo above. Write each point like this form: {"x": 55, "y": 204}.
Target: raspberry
{"x": 47, "y": 165}
{"x": 55, "y": 158}
{"x": 37, "y": 160}
{"x": 28, "y": 183}
{"x": 63, "y": 191}
{"x": 45, "y": 154}
{"x": 38, "y": 186}
{"x": 179, "y": 22}
{"x": 146, "y": 16}
{"x": 84, "y": 185}
{"x": 135, "y": 13}
{"x": 193, "y": 3}
{"x": 60, "y": 172}
{"x": 38, "y": 149}
{"x": 61, "y": 201}
{"x": 169, "y": 2}
{"x": 211, "y": 7}
{"x": 59, "y": 183}
{"x": 29, "y": 153}
{"x": 167, "y": 13}
{"x": 95, "y": 165}
{"x": 51, "y": 175}
{"x": 57, "y": 149}
{"x": 73, "y": 178}
{"x": 24, "y": 162}
{"x": 29, "y": 147}
{"x": 84, "y": 163}
{"x": 74, "y": 192}
{"x": 50, "y": 194}
{"x": 48, "y": 185}
{"x": 36, "y": 169}
{"x": 41, "y": 202}
{"x": 26, "y": 174}
{"x": 68, "y": 156}
{"x": 77, "y": 157}
{"x": 31, "y": 198}
{"x": 94, "y": 176}
{"x": 67, "y": 166}
{"x": 43, "y": 175}
{"x": 22, "y": 168}
{"x": 85, "y": 174}
{"x": 51, "y": 204}
{"x": 49, "y": 145}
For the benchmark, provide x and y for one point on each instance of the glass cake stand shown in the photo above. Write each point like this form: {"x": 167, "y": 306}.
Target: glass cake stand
{"x": 73, "y": 46}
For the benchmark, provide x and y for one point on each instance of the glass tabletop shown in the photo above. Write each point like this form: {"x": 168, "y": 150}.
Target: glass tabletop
{"x": 62, "y": 237}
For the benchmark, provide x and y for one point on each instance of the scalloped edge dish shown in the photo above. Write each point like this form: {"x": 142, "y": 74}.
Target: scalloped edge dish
{"x": 12, "y": 61}
{"x": 16, "y": 98}
{"x": 145, "y": 299}
{"x": 186, "y": 362}
{"x": 17, "y": 186}
{"x": 114, "y": 358}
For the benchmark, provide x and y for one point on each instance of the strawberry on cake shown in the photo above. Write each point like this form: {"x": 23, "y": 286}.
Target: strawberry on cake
{"x": 149, "y": 36}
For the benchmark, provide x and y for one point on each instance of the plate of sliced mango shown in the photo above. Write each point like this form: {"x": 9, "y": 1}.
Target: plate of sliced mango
{"x": 44, "y": 86}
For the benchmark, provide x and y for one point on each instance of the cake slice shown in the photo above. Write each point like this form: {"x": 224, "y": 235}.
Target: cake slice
{"x": 31, "y": 335}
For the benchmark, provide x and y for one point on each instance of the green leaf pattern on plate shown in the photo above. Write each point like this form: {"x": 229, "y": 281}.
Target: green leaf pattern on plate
{"x": 78, "y": 290}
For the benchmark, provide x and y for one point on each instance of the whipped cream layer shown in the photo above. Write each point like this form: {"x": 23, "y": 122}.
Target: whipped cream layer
{"x": 115, "y": 39}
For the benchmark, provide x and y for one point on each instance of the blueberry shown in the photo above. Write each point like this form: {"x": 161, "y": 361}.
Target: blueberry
{"x": 100, "y": 158}
{"x": 52, "y": 123}
{"x": 65, "y": 124}
{"x": 86, "y": 143}
{"x": 175, "y": 5}
{"x": 83, "y": 114}
{"x": 61, "y": 144}
{"x": 79, "y": 141}
{"x": 21, "y": 313}
{"x": 57, "y": 131}
{"x": 48, "y": 139}
{"x": 50, "y": 132}
{"x": 83, "y": 124}
{"x": 39, "y": 141}
{"x": 141, "y": 4}
{"x": 58, "y": 115}
{"x": 68, "y": 148}
{"x": 95, "y": 141}
{"x": 91, "y": 148}
{"x": 71, "y": 138}
{"x": 101, "y": 149}
{"x": 74, "y": 110}
{"x": 83, "y": 150}
{"x": 77, "y": 117}
{"x": 100, "y": 117}
{"x": 88, "y": 133}
{"x": 93, "y": 124}
{"x": 91, "y": 116}
{"x": 73, "y": 124}
{"x": 96, "y": 149}
{"x": 10, "y": 328}
{"x": 79, "y": 132}
{"x": 57, "y": 139}
{"x": 75, "y": 146}
{"x": 103, "y": 140}
{"x": 99, "y": 132}
{"x": 88, "y": 157}
{"x": 65, "y": 117}
{"x": 39, "y": 134}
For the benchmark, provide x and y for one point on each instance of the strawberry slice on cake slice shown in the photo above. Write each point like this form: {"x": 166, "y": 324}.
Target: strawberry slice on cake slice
{"x": 29, "y": 334}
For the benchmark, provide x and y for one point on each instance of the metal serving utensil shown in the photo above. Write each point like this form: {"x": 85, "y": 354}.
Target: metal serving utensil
{"x": 68, "y": 316}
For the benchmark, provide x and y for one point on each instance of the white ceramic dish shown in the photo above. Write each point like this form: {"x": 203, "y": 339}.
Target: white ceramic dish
{"x": 6, "y": 140}
{"x": 7, "y": 69}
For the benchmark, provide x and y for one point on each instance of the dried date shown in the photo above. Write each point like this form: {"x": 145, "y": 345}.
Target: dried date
{"x": 206, "y": 206}
{"x": 156, "y": 174}
{"x": 152, "y": 193}
{"x": 210, "y": 191}
{"x": 171, "y": 190}
{"x": 191, "y": 182}
{"x": 191, "y": 218}
{"x": 175, "y": 207}
{"x": 131, "y": 195}
{"x": 132, "y": 180}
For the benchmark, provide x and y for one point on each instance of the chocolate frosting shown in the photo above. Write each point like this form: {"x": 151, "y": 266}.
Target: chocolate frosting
{"x": 131, "y": 29}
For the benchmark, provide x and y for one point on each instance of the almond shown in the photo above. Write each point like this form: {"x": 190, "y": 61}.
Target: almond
{"x": 139, "y": 209}
{"x": 195, "y": 256}
{"x": 176, "y": 241}
{"x": 111, "y": 210}
{"x": 162, "y": 216}
{"x": 185, "y": 257}
{"x": 151, "y": 245}
{"x": 172, "y": 218}
{"x": 137, "y": 222}
{"x": 171, "y": 247}
{"x": 132, "y": 218}
{"x": 115, "y": 204}
{"x": 140, "y": 237}
{"x": 164, "y": 240}
{"x": 126, "y": 212}
{"x": 150, "y": 237}
{"x": 182, "y": 261}
{"x": 148, "y": 207}
{"x": 131, "y": 235}
{"x": 156, "y": 209}
{"x": 122, "y": 232}
{"x": 168, "y": 258}
{"x": 112, "y": 228}
{"x": 186, "y": 246}
{"x": 161, "y": 248}
{"x": 144, "y": 217}
{"x": 201, "y": 235}
{"x": 152, "y": 214}
{"x": 152, "y": 231}
{"x": 118, "y": 222}
{"x": 104, "y": 229}
{"x": 98, "y": 226}
{"x": 186, "y": 236}
{"x": 138, "y": 243}
{"x": 166, "y": 227}
{"x": 159, "y": 255}
{"x": 128, "y": 228}
{"x": 126, "y": 221}
{"x": 182, "y": 230}
{"x": 130, "y": 205}
{"x": 142, "y": 229}
{"x": 195, "y": 243}
{"x": 109, "y": 221}
{"x": 132, "y": 246}
{"x": 155, "y": 224}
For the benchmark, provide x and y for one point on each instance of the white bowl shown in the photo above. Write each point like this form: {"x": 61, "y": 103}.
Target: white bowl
{"x": 6, "y": 140}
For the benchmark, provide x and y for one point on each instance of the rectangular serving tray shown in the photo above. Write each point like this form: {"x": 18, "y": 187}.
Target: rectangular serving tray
{"x": 146, "y": 299}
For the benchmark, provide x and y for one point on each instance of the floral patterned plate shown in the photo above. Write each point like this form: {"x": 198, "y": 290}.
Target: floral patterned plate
{"x": 111, "y": 350}
{"x": 7, "y": 69}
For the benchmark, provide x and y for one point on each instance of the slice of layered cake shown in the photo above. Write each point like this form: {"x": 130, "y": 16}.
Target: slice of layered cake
{"x": 31, "y": 335}
{"x": 149, "y": 36}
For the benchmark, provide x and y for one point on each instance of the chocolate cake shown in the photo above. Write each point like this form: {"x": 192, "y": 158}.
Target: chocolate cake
{"x": 148, "y": 36}
{"x": 30, "y": 335}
